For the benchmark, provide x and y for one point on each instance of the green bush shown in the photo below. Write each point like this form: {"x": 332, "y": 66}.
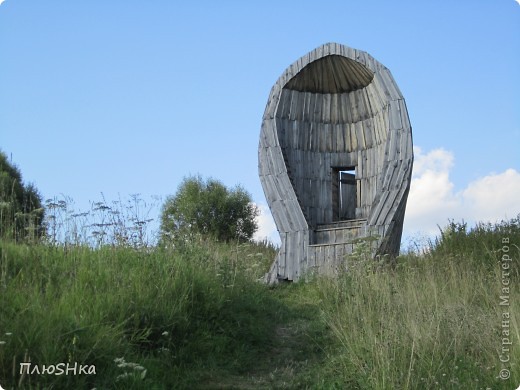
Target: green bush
{"x": 21, "y": 211}
{"x": 208, "y": 208}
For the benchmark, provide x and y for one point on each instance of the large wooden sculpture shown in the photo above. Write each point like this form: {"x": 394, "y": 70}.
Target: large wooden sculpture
{"x": 335, "y": 160}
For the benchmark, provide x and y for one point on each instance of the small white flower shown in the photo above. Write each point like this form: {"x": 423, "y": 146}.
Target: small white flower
{"x": 165, "y": 333}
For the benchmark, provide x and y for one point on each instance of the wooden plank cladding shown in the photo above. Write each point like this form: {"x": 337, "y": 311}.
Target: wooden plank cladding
{"x": 334, "y": 113}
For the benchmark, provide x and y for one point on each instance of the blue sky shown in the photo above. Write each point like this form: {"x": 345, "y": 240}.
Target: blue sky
{"x": 125, "y": 97}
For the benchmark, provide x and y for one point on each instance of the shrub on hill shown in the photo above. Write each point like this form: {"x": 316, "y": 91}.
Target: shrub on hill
{"x": 21, "y": 211}
{"x": 210, "y": 209}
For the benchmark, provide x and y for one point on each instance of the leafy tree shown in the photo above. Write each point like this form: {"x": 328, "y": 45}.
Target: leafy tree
{"x": 209, "y": 208}
{"x": 21, "y": 211}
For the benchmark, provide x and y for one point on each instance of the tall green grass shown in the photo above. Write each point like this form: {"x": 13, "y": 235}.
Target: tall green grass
{"x": 182, "y": 315}
{"x": 196, "y": 317}
{"x": 435, "y": 321}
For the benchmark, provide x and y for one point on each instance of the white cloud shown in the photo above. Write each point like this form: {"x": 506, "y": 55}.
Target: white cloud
{"x": 493, "y": 197}
{"x": 266, "y": 225}
{"x": 518, "y": 1}
{"x": 1, "y": 1}
{"x": 433, "y": 201}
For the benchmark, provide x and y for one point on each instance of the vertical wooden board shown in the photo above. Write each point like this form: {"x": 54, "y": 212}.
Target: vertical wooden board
{"x": 353, "y": 108}
{"x": 349, "y": 52}
{"x": 347, "y": 137}
{"x": 395, "y": 116}
{"x": 311, "y": 258}
{"x": 373, "y": 185}
{"x": 321, "y": 142}
{"x": 311, "y": 143}
{"x": 280, "y": 131}
{"x": 360, "y": 56}
{"x": 274, "y": 161}
{"x": 380, "y": 86}
{"x": 271, "y": 191}
{"x": 278, "y": 110}
{"x": 409, "y": 146}
{"x": 303, "y": 241}
{"x": 393, "y": 145}
{"x": 304, "y": 135}
{"x": 375, "y": 211}
{"x": 310, "y": 112}
{"x": 400, "y": 144}
{"x": 381, "y": 160}
{"x": 295, "y": 108}
{"x": 340, "y": 140}
{"x": 298, "y": 218}
{"x": 387, "y": 146}
{"x": 382, "y": 125}
{"x": 372, "y": 100}
{"x": 307, "y": 106}
{"x": 281, "y": 257}
{"x": 294, "y": 135}
{"x": 370, "y": 170}
{"x": 369, "y": 131}
{"x": 346, "y": 104}
{"x": 320, "y": 258}
{"x": 395, "y": 93}
{"x": 271, "y": 138}
{"x": 325, "y": 111}
{"x": 363, "y": 109}
{"x": 334, "y": 108}
{"x": 387, "y": 212}
{"x": 286, "y": 99}
{"x": 340, "y": 257}
{"x": 318, "y": 107}
{"x": 367, "y": 192}
{"x": 272, "y": 104}
{"x": 377, "y": 94}
{"x": 293, "y": 105}
{"x": 359, "y": 193}
{"x": 290, "y": 214}
{"x": 290, "y": 135}
{"x": 353, "y": 137}
{"x": 378, "y": 133}
{"x": 292, "y": 255}
{"x": 371, "y": 108}
{"x": 405, "y": 120}
{"x": 389, "y": 175}
{"x": 360, "y": 136}
{"x": 343, "y": 101}
{"x": 331, "y": 141}
{"x": 278, "y": 212}
{"x": 366, "y": 137}
{"x": 386, "y": 85}
{"x": 404, "y": 174}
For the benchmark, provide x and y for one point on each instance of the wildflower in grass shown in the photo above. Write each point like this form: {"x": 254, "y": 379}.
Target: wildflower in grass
{"x": 121, "y": 363}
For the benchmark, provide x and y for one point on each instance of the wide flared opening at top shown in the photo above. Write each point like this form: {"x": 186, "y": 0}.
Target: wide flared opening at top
{"x": 331, "y": 74}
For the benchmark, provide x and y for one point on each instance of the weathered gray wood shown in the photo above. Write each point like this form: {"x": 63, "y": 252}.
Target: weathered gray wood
{"x": 334, "y": 108}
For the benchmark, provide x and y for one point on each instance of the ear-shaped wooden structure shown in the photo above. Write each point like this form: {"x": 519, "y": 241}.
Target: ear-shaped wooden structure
{"x": 335, "y": 160}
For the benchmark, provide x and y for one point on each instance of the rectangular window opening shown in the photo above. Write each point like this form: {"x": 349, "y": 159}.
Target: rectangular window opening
{"x": 344, "y": 193}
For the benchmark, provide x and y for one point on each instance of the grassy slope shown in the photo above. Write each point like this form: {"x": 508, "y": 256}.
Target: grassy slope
{"x": 197, "y": 318}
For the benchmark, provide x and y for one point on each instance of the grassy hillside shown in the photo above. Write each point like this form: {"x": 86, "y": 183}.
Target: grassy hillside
{"x": 197, "y": 317}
